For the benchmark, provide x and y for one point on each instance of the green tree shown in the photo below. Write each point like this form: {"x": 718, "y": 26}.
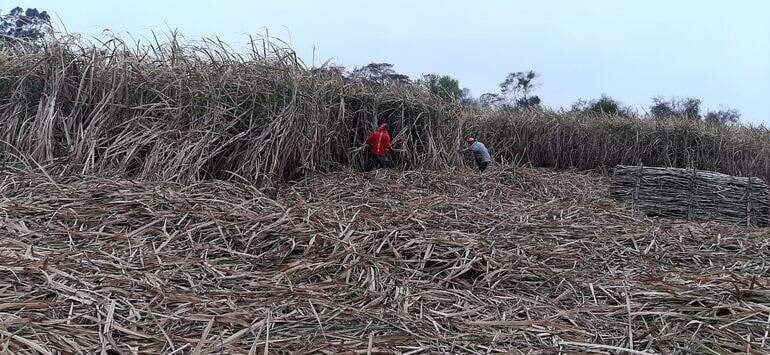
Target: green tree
{"x": 723, "y": 116}
{"x": 444, "y": 86}
{"x": 447, "y": 88}
{"x": 603, "y": 105}
{"x": 24, "y": 26}
{"x": 378, "y": 74}
{"x": 517, "y": 89}
{"x": 688, "y": 107}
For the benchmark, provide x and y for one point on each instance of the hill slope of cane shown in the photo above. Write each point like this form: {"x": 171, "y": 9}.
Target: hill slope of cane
{"x": 513, "y": 260}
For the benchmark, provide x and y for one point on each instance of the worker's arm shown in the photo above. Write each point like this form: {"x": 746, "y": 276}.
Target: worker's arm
{"x": 386, "y": 143}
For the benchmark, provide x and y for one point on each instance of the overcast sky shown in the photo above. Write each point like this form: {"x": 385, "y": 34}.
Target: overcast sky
{"x": 632, "y": 50}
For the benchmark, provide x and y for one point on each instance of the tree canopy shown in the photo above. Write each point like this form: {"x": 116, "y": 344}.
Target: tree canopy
{"x": 444, "y": 86}
{"x": 517, "y": 88}
{"x": 688, "y": 107}
{"x": 603, "y": 105}
{"x": 378, "y": 73}
{"x": 723, "y": 116}
{"x": 24, "y": 26}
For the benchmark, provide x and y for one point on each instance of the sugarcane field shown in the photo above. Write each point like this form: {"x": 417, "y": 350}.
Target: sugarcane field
{"x": 172, "y": 194}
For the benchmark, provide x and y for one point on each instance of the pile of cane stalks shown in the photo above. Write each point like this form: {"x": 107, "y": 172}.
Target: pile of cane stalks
{"x": 693, "y": 195}
{"x": 407, "y": 262}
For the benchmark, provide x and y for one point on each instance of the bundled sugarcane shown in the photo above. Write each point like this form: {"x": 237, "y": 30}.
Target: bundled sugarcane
{"x": 694, "y": 195}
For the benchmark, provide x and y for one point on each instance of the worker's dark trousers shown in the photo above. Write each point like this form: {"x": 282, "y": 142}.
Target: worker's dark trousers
{"x": 377, "y": 163}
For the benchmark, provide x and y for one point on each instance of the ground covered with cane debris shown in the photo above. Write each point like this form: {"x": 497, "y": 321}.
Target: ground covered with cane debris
{"x": 389, "y": 261}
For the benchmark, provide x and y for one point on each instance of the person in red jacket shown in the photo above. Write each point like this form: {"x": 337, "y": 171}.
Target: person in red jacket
{"x": 379, "y": 147}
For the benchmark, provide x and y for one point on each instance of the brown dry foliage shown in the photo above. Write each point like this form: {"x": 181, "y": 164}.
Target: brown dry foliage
{"x": 185, "y": 112}
{"x": 386, "y": 262}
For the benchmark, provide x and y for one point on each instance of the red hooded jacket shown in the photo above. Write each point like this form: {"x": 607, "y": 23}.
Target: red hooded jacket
{"x": 379, "y": 142}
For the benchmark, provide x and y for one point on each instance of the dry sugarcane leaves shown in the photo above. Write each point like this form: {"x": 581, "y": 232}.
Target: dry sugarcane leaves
{"x": 388, "y": 261}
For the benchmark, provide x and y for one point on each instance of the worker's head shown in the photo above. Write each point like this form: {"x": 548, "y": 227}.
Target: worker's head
{"x": 470, "y": 140}
{"x": 383, "y": 126}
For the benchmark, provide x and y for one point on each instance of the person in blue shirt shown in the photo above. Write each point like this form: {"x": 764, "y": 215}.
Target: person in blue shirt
{"x": 480, "y": 153}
